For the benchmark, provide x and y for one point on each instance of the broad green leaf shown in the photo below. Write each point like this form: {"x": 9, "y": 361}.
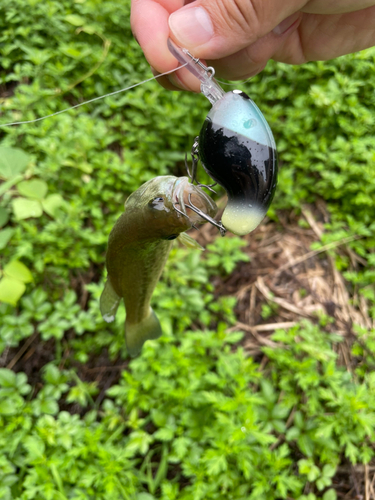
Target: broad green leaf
{"x": 180, "y": 446}
{"x": 52, "y": 203}
{"x": 13, "y": 161}
{"x": 4, "y": 216}
{"x": 159, "y": 418}
{"x": 234, "y": 337}
{"x": 72, "y": 52}
{"x": 5, "y": 236}
{"x": 8, "y": 407}
{"x": 16, "y": 269}
{"x": 49, "y": 406}
{"x": 330, "y": 494}
{"x": 52, "y": 374}
{"x": 306, "y": 444}
{"x": 216, "y": 465}
{"x": 75, "y": 20}
{"x": 7, "y": 378}
{"x": 139, "y": 442}
{"x": 6, "y": 185}
{"x": 35, "y": 446}
{"x": 329, "y": 470}
{"x": 81, "y": 165}
{"x": 24, "y": 208}
{"x": 89, "y": 29}
{"x": 11, "y": 290}
{"x": 35, "y": 188}
{"x": 165, "y": 434}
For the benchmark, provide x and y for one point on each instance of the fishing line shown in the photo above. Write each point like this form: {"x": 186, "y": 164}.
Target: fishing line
{"x": 94, "y": 99}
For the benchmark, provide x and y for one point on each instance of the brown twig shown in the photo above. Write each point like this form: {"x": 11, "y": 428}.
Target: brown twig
{"x": 372, "y": 490}
{"x": 106, "y": 368}
{"x": 313, "y": 253}
{"x": 279, "y": 301}
{"x": 25, "y": 346}
{"x": 258, "y": 338}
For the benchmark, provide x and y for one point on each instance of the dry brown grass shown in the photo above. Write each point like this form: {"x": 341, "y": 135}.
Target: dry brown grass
{"x": 296, "y": 281}
{"x": 299, "y": 283}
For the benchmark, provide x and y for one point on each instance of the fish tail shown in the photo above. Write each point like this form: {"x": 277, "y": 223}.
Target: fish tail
{"x": 109, "y": 302}
{"x": 136, "y": 334}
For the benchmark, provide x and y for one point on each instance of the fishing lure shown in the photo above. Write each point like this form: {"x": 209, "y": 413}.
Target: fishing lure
{"x": 236, "y": 148}
{"x": 138, "y": 247}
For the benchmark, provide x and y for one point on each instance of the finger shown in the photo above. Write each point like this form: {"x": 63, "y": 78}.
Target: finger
{"x": 164, "y": 81}
{"x": 335, "y": 6}
{"x": 179, "y": 80}
{"x": 149, "y": 23}
{"x": 314, "y": 37}
{"x": 252, "y": 60}
{"x": 213, "y": 29}
{"x": 322, "y": 38}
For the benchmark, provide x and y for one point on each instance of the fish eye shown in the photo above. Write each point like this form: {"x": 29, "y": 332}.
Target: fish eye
{"x": 157, "y": 203}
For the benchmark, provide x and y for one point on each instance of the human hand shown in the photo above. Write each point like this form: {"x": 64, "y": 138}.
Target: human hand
{"x": 238, "y": 37}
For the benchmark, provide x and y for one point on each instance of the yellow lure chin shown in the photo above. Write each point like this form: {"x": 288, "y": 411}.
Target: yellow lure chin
{"x": 241, "y": 218}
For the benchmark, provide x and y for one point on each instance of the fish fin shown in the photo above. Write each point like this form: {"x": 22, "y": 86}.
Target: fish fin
{"x": 109, "y": 302}
{"x": 189, "y": 242}
{"x": 136, "y": 334}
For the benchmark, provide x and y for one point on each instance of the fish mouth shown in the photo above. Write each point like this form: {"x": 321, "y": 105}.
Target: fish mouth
{"x": 185, "y": 194}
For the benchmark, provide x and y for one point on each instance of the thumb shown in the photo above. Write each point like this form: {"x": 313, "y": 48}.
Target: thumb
{"x": 213, "y": 29}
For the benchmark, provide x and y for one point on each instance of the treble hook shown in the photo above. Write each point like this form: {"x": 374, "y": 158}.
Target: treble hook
{"x": 185, "y": 215}
{"x": 204, "y": 216}
{"x": 192, "y": 175}
{"x": 194, "y": 165}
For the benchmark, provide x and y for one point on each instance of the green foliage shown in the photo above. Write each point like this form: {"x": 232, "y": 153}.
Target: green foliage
{"x": 13, "y": 161}
{"x": 225, "y": 253}
{"x": 193, "y": 416}
{"x": 269, "y": 310}
{"x": 363, "y": 349}
{"x": 12, "y": 285}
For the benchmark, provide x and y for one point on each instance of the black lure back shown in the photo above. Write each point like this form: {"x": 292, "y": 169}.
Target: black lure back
{"x": 238, "y": 151}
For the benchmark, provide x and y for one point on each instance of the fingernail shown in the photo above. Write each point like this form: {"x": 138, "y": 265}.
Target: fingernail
{"x": 191, "y": 26}
{"x": 286, "y": 24}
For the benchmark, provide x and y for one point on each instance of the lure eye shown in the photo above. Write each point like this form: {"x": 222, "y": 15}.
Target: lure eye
{"x": 238, "y": 151}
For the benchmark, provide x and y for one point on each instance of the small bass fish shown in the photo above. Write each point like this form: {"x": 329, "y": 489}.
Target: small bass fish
{"x": 138, "y": 248}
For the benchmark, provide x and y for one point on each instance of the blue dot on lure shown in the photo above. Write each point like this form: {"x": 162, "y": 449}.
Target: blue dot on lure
{"x": 236, "y": 148}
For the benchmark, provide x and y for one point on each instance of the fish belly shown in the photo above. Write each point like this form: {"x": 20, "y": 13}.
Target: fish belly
{"x": 134, "y": 277}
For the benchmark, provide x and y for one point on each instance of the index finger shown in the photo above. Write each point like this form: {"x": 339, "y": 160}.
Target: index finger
{"x": 149, "y": 23}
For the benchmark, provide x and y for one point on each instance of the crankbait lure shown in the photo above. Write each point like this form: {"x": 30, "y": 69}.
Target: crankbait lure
{"x": 138, "y": 247}
{"x": 236, "y": 148}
